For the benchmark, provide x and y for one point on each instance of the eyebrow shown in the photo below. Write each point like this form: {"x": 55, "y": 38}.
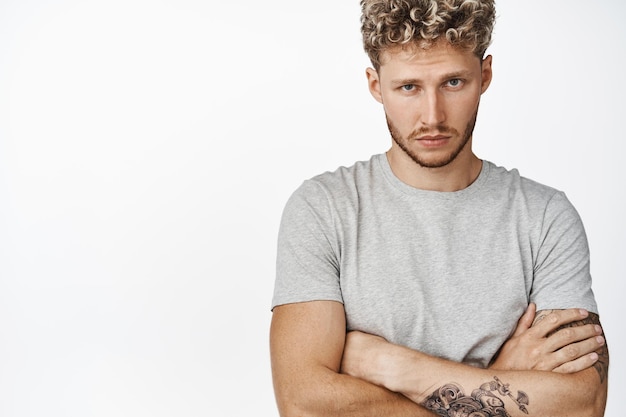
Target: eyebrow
{"x": 408, "y": 81}
{"x": 448, "y": 76}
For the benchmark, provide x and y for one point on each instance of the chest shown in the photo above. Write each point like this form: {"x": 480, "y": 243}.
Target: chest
{"x": 449, "y": 284}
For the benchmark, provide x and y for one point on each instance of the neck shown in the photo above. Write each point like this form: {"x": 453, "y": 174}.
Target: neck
{"x": 457, "y": 175}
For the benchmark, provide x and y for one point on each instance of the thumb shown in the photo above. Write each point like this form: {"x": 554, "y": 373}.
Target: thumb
{"x": 526, "y": 320}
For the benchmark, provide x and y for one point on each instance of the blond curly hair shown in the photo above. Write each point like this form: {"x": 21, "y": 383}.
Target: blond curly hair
{"x": 464, "y": 23}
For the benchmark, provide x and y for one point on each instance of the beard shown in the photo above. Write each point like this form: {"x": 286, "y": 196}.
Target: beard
{"x": 422, "y": 160}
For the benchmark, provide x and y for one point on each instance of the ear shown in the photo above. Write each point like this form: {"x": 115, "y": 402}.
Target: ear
{"x": 486, "y": 73}
{"x": 373, "y": 82}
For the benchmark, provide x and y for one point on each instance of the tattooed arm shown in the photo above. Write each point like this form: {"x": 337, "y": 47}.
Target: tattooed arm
{"x": 307, "y": 341}
{"x": 452, "y": 389}
{"x": 556, "y": 344}
{"x": 601, "y": 365}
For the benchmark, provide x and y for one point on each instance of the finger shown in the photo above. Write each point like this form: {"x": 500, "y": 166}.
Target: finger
{"x": 548, "y": 321}
{"x": 569, "y": 335}
{"x": 578, "y": 364}
{"x": 526, "y": 321}
{"x": 572, "y": 357}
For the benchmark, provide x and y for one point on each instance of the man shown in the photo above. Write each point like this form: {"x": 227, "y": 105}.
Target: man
{"x": 400, "y": 280}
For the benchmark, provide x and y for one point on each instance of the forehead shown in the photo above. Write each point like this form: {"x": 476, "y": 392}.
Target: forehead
{"x": 438, "y": 58}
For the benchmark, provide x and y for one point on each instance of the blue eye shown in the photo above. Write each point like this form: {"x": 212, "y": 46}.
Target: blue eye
{"x": 455, "y": 82}
{"x": 408, "y": 87}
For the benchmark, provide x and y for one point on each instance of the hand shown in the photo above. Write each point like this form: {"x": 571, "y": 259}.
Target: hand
{"x": 543, "y": 346}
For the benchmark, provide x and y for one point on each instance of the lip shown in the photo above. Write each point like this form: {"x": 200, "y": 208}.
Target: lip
{"x": 433, "y": 141}
{"x": 437, "y": 137}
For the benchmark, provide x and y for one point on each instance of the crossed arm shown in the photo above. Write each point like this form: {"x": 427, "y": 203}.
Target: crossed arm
{"x": 318, "y": 370}
{"x": 306, "y": 343}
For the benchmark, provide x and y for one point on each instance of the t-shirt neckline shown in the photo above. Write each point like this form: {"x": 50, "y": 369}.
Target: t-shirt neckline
{"x": 409, "y": 190}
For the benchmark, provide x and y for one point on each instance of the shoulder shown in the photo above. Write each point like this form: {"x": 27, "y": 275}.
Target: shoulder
{"x": 347, "y": 176}
{"x": 338, "y": 185}
{"x": 517, "y": 186}
{"x": 546, "y": 206}
{"x": 541, "y": 204}
{"x": 512, "y": 177}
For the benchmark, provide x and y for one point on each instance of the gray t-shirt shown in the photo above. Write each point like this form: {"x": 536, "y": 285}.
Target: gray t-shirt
{"x": 446, "y": 273}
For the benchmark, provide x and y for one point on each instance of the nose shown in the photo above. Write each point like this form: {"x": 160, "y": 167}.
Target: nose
{"x": 433, "y": 109}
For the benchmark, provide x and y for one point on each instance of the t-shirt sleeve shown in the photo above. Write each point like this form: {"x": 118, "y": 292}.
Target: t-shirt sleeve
{"x": 307, "y": 264}
{"x": 562, "y": 276}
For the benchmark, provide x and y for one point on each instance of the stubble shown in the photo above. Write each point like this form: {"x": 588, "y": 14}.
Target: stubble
{"x": 423, "y": 160}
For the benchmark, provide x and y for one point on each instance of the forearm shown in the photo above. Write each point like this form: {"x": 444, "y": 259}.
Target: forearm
{"x": 327, "y": 393}
{"x": 306, "y": 347}
{"x": 425, "y": 380}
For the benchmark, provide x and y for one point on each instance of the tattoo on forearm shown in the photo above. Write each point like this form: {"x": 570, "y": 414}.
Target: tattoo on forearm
{"x": 602, "y": 365}
{"x": 451, "y": 401}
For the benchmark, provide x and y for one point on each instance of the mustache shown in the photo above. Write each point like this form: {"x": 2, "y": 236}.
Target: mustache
{"x": 438, "y": 130}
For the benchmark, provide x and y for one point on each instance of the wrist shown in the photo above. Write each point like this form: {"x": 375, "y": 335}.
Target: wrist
{"x": 376, "y": 366}
{"x": 395, "y": 367}
{"x": 408, "y": 372}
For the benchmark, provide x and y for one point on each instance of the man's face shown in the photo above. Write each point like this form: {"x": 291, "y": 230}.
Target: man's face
{"x": 431, "y": 100}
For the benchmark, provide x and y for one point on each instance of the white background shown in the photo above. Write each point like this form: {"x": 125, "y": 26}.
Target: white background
{"x": 147, "y": 148}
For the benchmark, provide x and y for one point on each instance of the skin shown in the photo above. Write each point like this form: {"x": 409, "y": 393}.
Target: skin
{"x": 549, "y": 346}
{"x": 431, "y": 99}
{"x": 306, "y": 345}
{"x": 419, "y": 376}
